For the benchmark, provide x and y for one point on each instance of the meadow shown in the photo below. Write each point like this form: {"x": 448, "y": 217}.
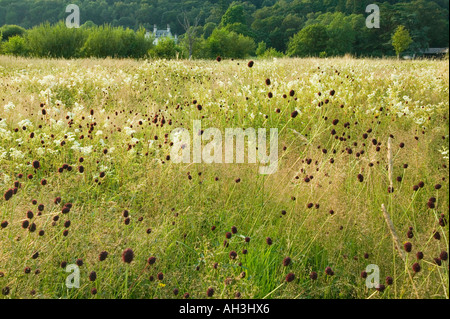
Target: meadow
{"x": 86, "y": 178}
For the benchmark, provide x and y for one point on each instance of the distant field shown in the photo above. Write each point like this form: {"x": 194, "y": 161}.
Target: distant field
{"x": 84, "y": 169}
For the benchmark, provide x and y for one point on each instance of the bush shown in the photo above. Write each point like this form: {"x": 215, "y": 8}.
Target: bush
{"x": 229, "y": 45}
{"x": 9, "y": 30}
{"x": 271, "y": 53}
{"x": 56, "y": 41}
{"x": 16, "y": 46}
{"x": 107, "y": 41}
{"x": 165, "y": 49}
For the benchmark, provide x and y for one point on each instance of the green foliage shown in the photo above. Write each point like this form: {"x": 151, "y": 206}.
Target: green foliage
{"x": 116, "y": 42}
{"x": 262, "y": 47}
{"x": 234, "y": 14}
{"x": 263, "y": 52}
{"x": 401, "y": 40}
{"x": 310, "y": 41}
{"x": 15, "y": 45}
{"x": 56, "y": 41}
{"x": 229, "y": 44}
{"x": 166, "y": 48}
{"x": 8, "y": 31}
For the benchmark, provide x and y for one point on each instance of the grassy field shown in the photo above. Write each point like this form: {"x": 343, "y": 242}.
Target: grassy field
{"x": 84, "y": 170}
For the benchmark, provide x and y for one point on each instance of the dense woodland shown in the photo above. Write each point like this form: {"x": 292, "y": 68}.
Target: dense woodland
{"x": 209, "y": 28}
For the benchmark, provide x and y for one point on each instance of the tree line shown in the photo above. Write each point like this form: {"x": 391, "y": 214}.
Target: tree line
{"x": 207, "y": 29}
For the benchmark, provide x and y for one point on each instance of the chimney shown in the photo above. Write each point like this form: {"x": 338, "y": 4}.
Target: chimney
{"x": 168, "y": 28}
{"x": 154, "y": 29}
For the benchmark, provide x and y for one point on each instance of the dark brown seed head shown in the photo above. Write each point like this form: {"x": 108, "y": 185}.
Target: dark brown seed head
{"x": 437, "y": 235}
{"x": 381, "y": 288}
{"x": 151, "y": 260}
{"x": 210, "y": 292}
{"x": 36, "y": 164}
{"x": 287, "y": 261}
{"x": 329, "y": 271}
{"x": 92, "y": 276}
{"x": 407, "y": 246}
{"x": 389, "y": 281}
{"x": 438, "y": 261}
{"x": 416, "y": 267}
{"x": 102, "y": 256}
{"x": 290, "y": 277}
{"x": 128, "y": 255}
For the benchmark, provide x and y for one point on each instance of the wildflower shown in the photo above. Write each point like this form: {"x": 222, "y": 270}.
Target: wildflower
{"x": 286, "y": 261}
{"x": 102, "y": 256}
{"x": 290, "y": 277}
{"x": 92, "y": 276}
{"x": 128, "y": 255}
{"x": 151, "y": 260}
{"x": 407, "y": 246}
{"x": 329, "y": 271}
{"x": 389, "y": 281}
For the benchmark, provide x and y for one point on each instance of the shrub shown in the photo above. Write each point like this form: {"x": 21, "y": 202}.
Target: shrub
{"x": 16, "y": 46}
{"x": 9, "y": 30}
{"x": 55, "y": 41}
{"x": 107, "y": 41}
{"x": 229, "y": 44}
{"x": 166, "y": 49}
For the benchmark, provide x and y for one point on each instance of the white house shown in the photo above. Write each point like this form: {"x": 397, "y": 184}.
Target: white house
{"x": 158, "y": 34}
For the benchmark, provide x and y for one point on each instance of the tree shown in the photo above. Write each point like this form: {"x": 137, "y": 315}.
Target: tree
{"x": 189, "y": 30}
{"x": 401, "y": 40}
{"x": 310, "y": 41}
{"x": 234, "y": 14}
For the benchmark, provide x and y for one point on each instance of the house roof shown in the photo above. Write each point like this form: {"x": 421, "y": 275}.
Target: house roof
{"x": 162, "y": 33}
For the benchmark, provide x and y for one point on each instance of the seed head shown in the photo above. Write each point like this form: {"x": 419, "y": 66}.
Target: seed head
{"x": 128, "y": 255}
